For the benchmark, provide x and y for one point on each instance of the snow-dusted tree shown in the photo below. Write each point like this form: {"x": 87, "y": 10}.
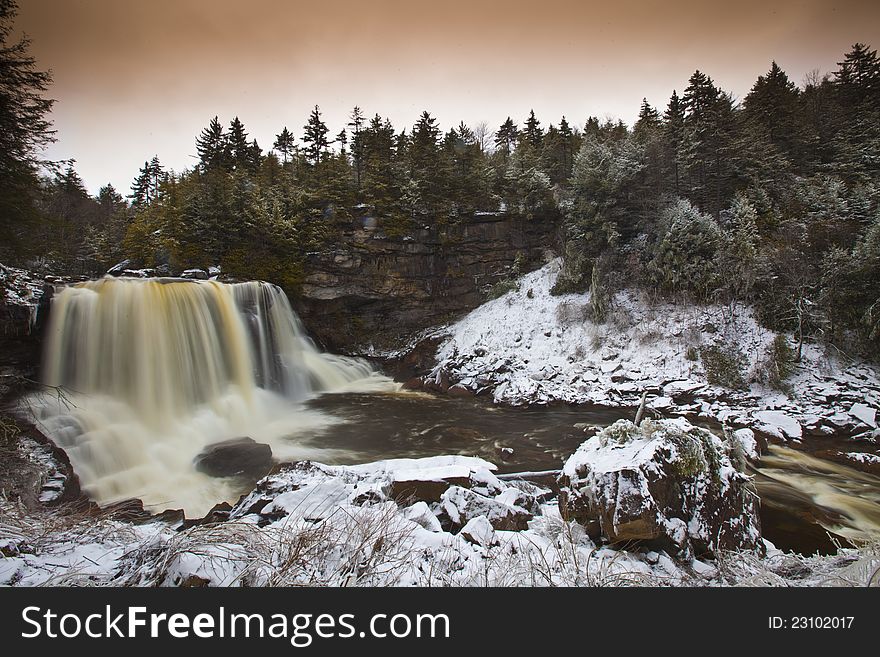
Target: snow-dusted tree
{"x": 738, "y": 255}
{"x": 684, "y": 260}
{"x": 600, "y": 186}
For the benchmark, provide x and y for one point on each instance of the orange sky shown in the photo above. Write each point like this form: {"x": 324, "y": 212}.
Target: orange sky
{"x": 140, "y": 78}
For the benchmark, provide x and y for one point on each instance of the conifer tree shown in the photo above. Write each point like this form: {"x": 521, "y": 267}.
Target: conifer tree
{"x": 25, "y": 129}
{"x": 211, "y": 146}
{"x": 315, "y": 137}
{"x": 284, "y": 144}
{"x": 858, "y": 77}
{"x": 506, "y": 137}
{"x": 238, "y": 146}
{"x": 532, "y": 132}
{"x": 356, "y": 123}
{"x": 673, "y": 129}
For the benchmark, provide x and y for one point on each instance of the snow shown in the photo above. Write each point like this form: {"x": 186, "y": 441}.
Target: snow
{"x": 528, "y": 347}
{"x": 864, "y": 414}
{"x": 435, "y": 468}
{"x": 779, "y": 424}
{"x": 862, "y": 457}
{"x": 478, "y": 530}
{"x": 746, "y": 440}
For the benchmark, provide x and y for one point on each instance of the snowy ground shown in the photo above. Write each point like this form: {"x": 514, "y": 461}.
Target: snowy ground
{"x": 528, "y": 347}
{"x": 320, "y": 525}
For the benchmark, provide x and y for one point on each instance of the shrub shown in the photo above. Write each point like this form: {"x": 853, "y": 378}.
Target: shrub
{"x": 724, "y": 366}
{"x": 780, "y": 364}
{"x": 501, "y": 288}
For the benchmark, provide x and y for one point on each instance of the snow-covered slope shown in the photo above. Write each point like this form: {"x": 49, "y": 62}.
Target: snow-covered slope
{"x": 529, "y": 347}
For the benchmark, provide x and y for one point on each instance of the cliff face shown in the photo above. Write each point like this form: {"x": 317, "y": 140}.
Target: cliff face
{"x": 375, "y": 291}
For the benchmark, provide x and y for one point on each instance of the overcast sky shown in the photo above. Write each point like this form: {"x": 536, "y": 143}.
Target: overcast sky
{"x": 135, "y": 79}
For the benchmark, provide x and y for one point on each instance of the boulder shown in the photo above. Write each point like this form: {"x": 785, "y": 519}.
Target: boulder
{"x": 196, "y": 274}
{"x": 479, "y": 531}
{"x": 459, "y": 506}
{"x": 233, "y": 458}
{"x": 120, "y": 267}
{"x": 665, "y": 484}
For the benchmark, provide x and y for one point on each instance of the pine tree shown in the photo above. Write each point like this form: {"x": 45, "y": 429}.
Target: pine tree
{"x": 24, "y": 130}
{"x": 426, "y": 196}
{"x": 532, "y": 132}
{"x": 770, "y": 111}
{"x": 356, "y": 123}
{"x": 237, "y": 145}
{"x": 315, "y": 136}
{"x": 156, "y": 175}
{"x": 284, "y": 144}
{"x": 254, "y": 157}
{"x": 673, "y": 129}
{"x": 707, "y": 140}
{"x": 24, "y": 126}
{"x": 506, "y": 137}
{"x": 858, "y": 77}
{"x": 141, "y": 188}
{"x": 211, "y": 146}
{"x": 648, "y": 121}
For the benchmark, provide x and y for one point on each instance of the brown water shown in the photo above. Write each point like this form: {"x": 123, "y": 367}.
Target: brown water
{"x": 808, "y": 504}
{"x": 412, "y": 425}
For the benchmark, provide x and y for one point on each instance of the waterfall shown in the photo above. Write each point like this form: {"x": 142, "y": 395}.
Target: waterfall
{"x": 146, "y": 373}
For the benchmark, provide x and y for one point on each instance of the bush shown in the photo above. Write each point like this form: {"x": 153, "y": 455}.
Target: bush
{"x": 780, "y": 363}
{"x": 684, "y": 260}
{"x": 724, "y": 366}
{"x": 501, "y": 288}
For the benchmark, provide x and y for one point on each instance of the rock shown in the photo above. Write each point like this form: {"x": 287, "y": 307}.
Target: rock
{"x": 437, "y": 381}
{"x": 778, "y": 424}
{"x": 479, "y": 531}
{"x": 422, "y": 490}
{"x": 420, "y": 513}
{"x": 864, "y": 413}
{"x": 459, "y": 505}
{"x": 118, "y": 268}
{"x": 236, "y": 457}
{"x": 218, "y": 513}
{"x": 667, "y": 484}
{"x": 390, "y": 288}
{"x": 196, "y": 274}
{"x": 748, "y": 443}
{"x": 459, "y": 391}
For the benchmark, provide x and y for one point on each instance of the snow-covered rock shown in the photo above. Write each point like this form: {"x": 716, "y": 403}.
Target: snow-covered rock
{"x": 479, "y": 530}
{"x": 864, "y": 413}
{"x": 778, "y": 424}
{"x": 665, "y": 483}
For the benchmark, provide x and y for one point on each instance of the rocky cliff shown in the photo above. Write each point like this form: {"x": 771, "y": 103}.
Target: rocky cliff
{"x": 374, "y": 291}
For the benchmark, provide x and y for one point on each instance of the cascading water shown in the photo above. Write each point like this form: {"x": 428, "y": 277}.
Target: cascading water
{"x": 148, "y": 373}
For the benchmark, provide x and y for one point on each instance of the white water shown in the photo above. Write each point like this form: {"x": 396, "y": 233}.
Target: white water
{"x": 850, "y": 498}
{"x": 151, "y": 372}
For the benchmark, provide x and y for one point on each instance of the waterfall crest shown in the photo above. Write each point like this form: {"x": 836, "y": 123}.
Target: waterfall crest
{"x": 153, "y": 371}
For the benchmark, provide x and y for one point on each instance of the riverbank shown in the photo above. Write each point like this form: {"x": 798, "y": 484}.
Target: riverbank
{"x": 528, "y": 347}
{"x": 311, "y": 524}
